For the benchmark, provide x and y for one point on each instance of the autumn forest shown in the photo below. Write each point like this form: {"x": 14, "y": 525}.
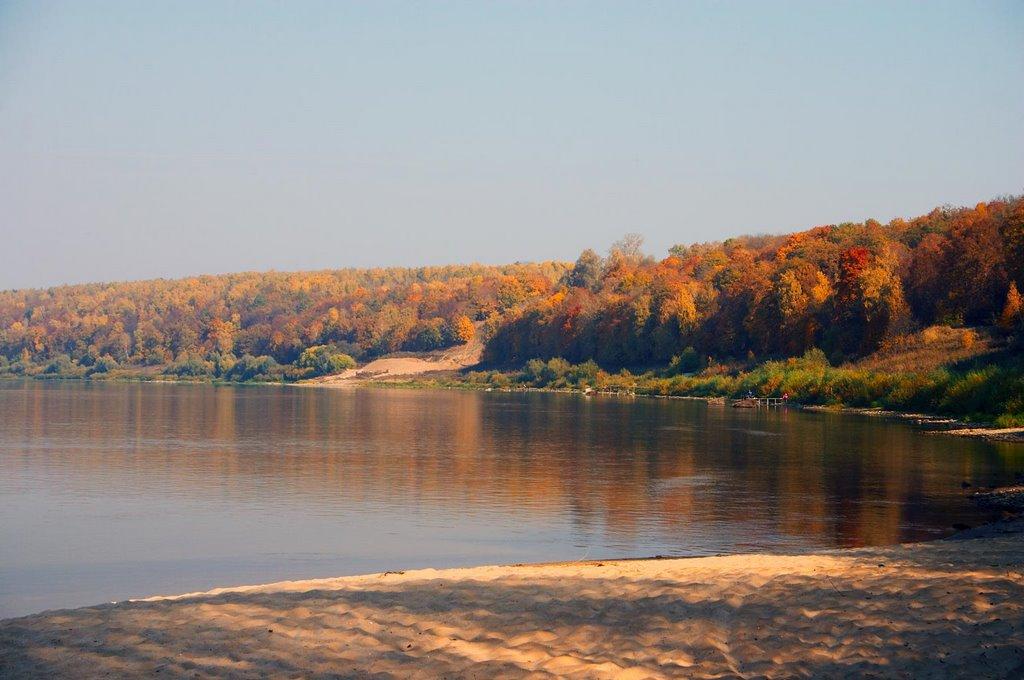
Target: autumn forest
{"x": 838, "y": 295}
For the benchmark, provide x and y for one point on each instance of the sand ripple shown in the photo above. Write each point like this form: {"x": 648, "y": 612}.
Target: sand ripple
{"x": 951, "y": 608}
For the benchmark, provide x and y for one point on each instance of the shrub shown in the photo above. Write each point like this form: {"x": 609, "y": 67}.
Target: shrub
{"x": 190, "y": 367}
{"x": 814, "y": 358}
{"x": 254, "y": 368}
{"x": 533, "y": 372}
{"x": 586, "y": 374}
{"x": 688, "y": 361}
{"x": 60, "y": 365}
{"x": 223, "y": 363}
{"x": 554, "y": 370}
{"x": 428, "y": 335}
{"x": 324, "y": 360}
{"x": 20, "y": 368}
{"x": 104, "y": 364}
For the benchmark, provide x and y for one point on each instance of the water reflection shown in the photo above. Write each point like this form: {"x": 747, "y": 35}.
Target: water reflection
{"x": 171, "y": 487}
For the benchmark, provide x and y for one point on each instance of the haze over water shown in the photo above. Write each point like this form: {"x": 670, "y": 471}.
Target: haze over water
{"x": 113, "y": 491}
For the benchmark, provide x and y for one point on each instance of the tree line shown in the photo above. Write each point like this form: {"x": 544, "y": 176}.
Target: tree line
{"x": 206, "y": 324}
{"x": 843, "y": 288}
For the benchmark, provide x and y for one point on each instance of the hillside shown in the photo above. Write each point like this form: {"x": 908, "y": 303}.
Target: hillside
{"x": 405, "y": 365}
{"x": 846, "y": 289}
{"x": 240, "y": 326}
{"x": 920, "y": 313}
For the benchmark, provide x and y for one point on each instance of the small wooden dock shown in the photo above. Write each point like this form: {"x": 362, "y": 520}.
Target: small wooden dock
{"x": 759, "y": 402}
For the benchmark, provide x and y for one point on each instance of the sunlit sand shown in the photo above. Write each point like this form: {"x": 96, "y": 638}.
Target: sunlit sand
{"x": 924, "y": 610}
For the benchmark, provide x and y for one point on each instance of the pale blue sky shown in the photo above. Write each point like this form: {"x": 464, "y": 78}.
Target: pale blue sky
{"x": 146, "y": 139}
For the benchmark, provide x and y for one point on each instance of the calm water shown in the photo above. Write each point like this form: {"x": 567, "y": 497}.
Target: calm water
{"x": 116, "y": 491}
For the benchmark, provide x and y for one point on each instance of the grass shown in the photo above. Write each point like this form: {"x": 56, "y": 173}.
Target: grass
{"x": 971, "y": 374}
{"x": 955, "y": 372}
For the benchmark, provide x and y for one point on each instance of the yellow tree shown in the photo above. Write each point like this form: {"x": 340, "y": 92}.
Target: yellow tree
{"x": 463, "y": 329}
{"x": 222, "y": 333}
{"x": 1011, "y": 315}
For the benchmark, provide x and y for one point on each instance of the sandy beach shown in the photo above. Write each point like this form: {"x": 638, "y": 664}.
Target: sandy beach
{"x": 942, "y": 609}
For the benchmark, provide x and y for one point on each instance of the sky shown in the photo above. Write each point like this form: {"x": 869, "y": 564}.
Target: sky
{"x": 165, "y": 139}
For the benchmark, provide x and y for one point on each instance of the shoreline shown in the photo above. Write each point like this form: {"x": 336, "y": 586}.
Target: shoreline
{"x": 948, "y": 606}
{"x": 973, "y": 429}
{"x": 970, "y": 429}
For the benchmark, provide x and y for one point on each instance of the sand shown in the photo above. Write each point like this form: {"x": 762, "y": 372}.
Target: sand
{"x": 1004, "y": 434}
{"x": 941, "y": 609}
{"x": 404, "y": 366}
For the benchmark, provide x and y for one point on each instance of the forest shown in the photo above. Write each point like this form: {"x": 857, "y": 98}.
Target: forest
{"x": 705, "y": 318}
{"x": 251, "y": 325}
{"x": 844, "y": 289}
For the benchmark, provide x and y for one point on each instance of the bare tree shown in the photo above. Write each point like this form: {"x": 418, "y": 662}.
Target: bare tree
{"x": 629, "y": 246}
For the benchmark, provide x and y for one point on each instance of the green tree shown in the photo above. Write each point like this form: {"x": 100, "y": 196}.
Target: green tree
{"x": 253, "y": 368}
{"x": 324, "y": 360}
{"x": 586, "y": 273}
{"x": 60, "y": 365}
{"x": 104, "y": 364}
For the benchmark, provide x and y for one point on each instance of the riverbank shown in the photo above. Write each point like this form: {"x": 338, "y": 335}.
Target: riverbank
{"x": 935, "y": 424}
{"x": 939, "y": 424}
{"x": 426, "y": 376}
{"x": 971, "y": 397}
{"x": 951, "y": 607}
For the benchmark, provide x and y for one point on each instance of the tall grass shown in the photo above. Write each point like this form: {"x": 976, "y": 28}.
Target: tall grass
{"x": 990, "y": 390}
